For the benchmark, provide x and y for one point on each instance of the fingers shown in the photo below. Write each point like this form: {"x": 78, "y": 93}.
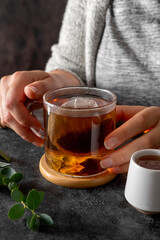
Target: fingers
{"x": 1, "y": 125}
{"x": 121, "y": 169}
{"x": 26, "y": 134}
{"x": 119, "y": 159}
{"x": 13, "y": 112}
{"x": 16, "y": 84}
{"x": 17, "y": 110}
{"x": 12, "y": 103}
{"x": 137, "y": 124}
{"x": 3, "y": 91}
{"x": 124, "y": 112}
{"x": 56, "y": 79}
{"x": 37, "y": 89}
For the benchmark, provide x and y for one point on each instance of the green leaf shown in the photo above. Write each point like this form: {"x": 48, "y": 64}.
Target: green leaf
{"x": 17, "y": 195}
{"x": 3, "y": 164}
{"x": 36, "y": 225}
{"x": 16, "y": 212}
{"x": 16, "y": 177}
{"x": 41, "y": 195}
{"x": 12, "y": 185}
{"x": 5, "y": 180}
{"x": 46, "y": 219}
{"x": 33, "y": 199}
{"x": 33, "y": 222}
{"x": 8, "y": 172}
{"x": 5, "y": 156}
{"x": 24, "y": 199}
{"x": 29, "y": 221}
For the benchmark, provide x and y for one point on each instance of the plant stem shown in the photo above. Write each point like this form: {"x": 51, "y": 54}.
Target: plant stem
{"x": 5, "y": 156}
{"x": 32, "y": 211}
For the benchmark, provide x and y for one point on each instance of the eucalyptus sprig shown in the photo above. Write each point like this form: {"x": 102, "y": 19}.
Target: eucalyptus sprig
{"x": 9, "y": 177}
{"x": 30, "y": 203}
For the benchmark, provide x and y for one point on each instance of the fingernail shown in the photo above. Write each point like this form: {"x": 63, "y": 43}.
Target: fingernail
{"x": 34, "y": 89}
{"x": 38, "y": 144}
{"x": 110, "y": 143}
{"x": 106, "y": 163}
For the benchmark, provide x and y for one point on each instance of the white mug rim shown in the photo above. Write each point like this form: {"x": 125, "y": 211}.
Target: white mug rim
{"x": 144, "y": 152}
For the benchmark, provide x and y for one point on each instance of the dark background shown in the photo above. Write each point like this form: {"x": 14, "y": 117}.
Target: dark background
{"x": 28, "y": 28}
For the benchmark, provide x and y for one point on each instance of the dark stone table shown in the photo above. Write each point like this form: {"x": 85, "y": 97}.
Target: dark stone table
{"x": 100, "y": 213}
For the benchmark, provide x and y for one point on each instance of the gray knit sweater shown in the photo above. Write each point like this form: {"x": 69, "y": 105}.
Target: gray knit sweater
{"x": 82, "y": 47}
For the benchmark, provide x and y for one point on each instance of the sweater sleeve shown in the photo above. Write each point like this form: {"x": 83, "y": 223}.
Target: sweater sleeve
{"x": 69, "y": 53}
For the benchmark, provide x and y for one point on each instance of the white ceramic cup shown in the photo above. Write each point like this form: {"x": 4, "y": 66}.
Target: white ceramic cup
{"x": 142, "y": 188}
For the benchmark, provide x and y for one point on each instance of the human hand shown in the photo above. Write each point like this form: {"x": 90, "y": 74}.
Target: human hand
{"x": 21, "y": 86}
{"x": 139, "y": 120}
{"x": 13, "y": 94}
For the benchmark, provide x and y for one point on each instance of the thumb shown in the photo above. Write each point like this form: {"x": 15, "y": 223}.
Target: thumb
{"x": 39, "y": 88}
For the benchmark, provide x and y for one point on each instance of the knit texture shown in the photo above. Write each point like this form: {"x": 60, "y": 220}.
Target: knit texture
{"x": 112, "y": 45}
{"x": 128, "y": 59}
{"x": 80, "y": 35}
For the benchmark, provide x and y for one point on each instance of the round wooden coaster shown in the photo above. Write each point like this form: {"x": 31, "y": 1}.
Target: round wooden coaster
{"x": 73, "y": 182}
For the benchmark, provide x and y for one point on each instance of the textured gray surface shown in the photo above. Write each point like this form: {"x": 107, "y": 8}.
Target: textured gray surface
{"x": 100, "y": 213}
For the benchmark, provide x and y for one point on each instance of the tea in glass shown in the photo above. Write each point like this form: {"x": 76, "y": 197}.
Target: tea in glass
{"x": 76, "y": 125}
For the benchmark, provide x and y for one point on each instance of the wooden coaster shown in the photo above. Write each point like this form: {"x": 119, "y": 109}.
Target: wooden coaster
{"x": 73, "y": 182}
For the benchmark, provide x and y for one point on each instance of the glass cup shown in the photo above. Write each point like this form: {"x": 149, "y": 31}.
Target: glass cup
{"x": 76, "y": 122}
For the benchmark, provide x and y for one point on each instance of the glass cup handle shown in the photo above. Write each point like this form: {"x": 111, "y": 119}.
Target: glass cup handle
{"x": 32, "y": 107}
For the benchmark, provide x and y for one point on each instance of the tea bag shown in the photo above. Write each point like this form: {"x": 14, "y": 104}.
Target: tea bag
{"x": 69, "y": 133}
{"x": 80, "y": 102}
